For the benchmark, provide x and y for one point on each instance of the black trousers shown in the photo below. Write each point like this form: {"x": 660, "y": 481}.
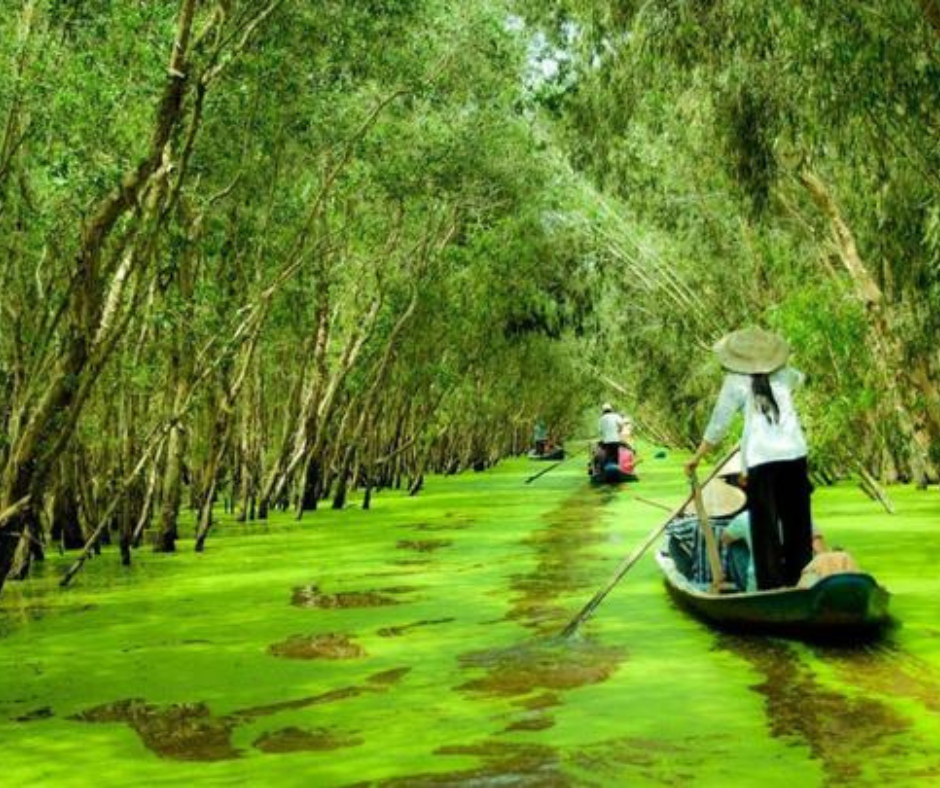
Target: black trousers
{"x": 611, "y": 452}
{"x": 781, "y": 528}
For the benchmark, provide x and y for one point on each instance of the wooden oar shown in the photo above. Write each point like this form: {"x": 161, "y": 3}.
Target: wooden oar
{"x": 571, "y": 456}
{"x": 635, "y": 556}
{"x": 711, "y": 546}
{"x": 546, "y": 470}
{"x": 648, "y": 502}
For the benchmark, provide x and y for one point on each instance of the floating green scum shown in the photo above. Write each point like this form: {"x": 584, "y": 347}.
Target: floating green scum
{"x": 416, "y": 644}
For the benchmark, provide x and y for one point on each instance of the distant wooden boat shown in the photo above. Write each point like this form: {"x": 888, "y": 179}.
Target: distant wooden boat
{"x": 554, "y": 454}
{"x": 840, "y": 604}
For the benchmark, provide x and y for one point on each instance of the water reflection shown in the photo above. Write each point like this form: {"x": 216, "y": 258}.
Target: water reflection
{"x": 298, "y": 740}
{"x": 884, "y": 669}
{"x": 536, "y": 672}
{"x": 856, "y": 737}
{"x": 330, "y": 645}
{"x": 503, "y": 764}
{"x": 564, "y": 564}
{"x": 555, "y": 665}
{"x": 191, "y": 732}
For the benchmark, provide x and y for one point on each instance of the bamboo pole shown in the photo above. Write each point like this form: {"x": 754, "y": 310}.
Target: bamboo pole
{"x": 711, "y": 546}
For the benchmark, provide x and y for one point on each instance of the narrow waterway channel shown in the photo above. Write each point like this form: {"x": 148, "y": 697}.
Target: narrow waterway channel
{"x": 417, "y": 644}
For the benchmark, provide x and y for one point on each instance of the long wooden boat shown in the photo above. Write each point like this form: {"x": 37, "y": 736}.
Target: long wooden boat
{"x": 836, "y": 606}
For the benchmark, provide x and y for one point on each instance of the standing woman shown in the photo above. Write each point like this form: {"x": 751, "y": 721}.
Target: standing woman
{"x": 773, "y": 451}
{"x": 609, "y": 426}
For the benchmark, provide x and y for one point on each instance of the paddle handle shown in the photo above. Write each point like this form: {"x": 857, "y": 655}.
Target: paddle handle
{"x": 711, "y": 546}
{"x": 635, "y": 556}
{"x": 544, "y": 471}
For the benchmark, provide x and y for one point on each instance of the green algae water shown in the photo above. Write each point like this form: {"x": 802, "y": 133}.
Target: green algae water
{"x": 416, "y": 644}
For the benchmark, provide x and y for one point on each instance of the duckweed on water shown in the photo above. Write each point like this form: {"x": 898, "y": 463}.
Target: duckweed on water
{"x": 394, "y": 632}
{"x": 296, "y": 740}
{"x": 329, "y": 646}
{"x": 423, "y": 545}
{"x": 279, "y": 657}
{"x": 311, "y": 596}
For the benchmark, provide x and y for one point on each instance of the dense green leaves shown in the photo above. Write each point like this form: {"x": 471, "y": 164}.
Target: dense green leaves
{"x": 344, "y": 250}
{"x": 703, "y": 125}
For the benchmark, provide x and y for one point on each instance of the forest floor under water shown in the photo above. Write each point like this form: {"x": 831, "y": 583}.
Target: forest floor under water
{"x": 416, "y": 644}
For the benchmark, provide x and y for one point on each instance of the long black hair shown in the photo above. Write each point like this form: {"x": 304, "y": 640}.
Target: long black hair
{"x": 764, "y": 397}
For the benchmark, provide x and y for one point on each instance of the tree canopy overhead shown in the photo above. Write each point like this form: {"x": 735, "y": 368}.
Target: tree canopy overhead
{"x": 770, "y": 163}
{"x": 263, "y": 252}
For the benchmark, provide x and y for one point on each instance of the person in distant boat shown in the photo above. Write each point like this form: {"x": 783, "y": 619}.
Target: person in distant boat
{"x": 626, "y": 459}
{"x": 540, "y": 436}
{"x": 626, "y": 432}
{"x": 773, "y": 451}
{"x": 609, "y": 426}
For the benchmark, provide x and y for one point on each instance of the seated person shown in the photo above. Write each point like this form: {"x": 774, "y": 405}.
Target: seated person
{"x": 686, "y": 543}
{"x": 626, "y": 460}
{"x": 682, "y": 544}
{"x": 540, "y": 437}
{"x": 826, "y": 562}
{"x": 598, "y": 458}
{"x": 626, "y": 431}
{"x": 736, "y": 539}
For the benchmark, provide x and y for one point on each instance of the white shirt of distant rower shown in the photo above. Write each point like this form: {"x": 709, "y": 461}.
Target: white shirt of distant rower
{"x": 762, "y": 440}
{"x": 610, "y": 425}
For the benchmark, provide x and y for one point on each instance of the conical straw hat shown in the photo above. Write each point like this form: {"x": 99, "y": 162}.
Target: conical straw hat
{"x": 732, "y": 467}
{"x": 752, "y": 351}
{"x": 721, "y": 499}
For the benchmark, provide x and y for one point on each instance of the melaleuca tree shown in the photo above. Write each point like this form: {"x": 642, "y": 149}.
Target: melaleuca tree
{"x": 752, "y": 159}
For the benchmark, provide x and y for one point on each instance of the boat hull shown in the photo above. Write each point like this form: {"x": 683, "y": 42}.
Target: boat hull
{"x": 612, "y": 474}
{"x": 841, "y": 604}
{"x": 556, "y": 454}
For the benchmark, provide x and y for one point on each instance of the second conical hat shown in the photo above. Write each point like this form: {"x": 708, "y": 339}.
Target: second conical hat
{"x": 721, "y": 499}
{"x": 732, "y": 467}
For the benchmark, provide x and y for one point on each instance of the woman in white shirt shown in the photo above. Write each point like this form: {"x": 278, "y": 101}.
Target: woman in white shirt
{"x": 609, "y": 426}
{"x": 773, "y": 451}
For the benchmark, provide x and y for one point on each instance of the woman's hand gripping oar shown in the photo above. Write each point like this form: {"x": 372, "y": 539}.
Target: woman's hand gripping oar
{"x": 635, "y": 556}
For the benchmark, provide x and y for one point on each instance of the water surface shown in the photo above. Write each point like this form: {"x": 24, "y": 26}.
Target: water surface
{"x": 416, "y": 644}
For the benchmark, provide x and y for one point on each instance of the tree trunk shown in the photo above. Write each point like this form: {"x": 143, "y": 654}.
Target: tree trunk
{"x": 889, "y": 357}
{"x": 165, "y": 538}
{"x": 53, "y": 421}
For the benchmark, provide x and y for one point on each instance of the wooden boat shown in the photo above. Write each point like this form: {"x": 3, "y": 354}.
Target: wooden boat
{"x": 554, "y": 454}
{"x": 838, "y": 605}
